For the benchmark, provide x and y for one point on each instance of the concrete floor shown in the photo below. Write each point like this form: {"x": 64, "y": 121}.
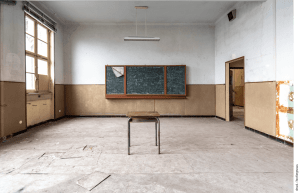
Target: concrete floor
{"x": 198, "y": 155}
{"x": 238, "y": 115}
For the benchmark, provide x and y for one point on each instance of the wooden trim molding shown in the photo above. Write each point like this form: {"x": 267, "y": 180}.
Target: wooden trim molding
{"x": 237, "y": 59}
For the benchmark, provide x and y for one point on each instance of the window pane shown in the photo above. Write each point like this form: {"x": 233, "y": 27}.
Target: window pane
{"x": 30, "y": 81}
{"x": 30, "y": 64}
{"x": 29, "y": 43}
{"x": 42, "y": 67}
{"x": 42, "y": 33}
{"x": 42, "y": 48}
{"x": 29, "y": 26}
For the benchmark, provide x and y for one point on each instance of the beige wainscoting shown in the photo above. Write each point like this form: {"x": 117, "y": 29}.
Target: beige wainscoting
{"x": 220, "y": 100}
{"x": 59, "y": 101}
{"x": 201, "y": 100}
{"x": 260, "y": 106}
{"x": 87, "y": 100}
{"x": 13, "y": 107}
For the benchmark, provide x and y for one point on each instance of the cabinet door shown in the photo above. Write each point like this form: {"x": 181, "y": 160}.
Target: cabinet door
{"x": 33, "y": 116}
{"x": 38, "y": 111}
{"x": 44, "y": 110}
{"x": 29, "y": 114}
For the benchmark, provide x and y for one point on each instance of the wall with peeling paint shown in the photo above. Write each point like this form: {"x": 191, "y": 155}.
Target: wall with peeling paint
{"x": 89, "y": 47}
{"x": 285, "y": 110}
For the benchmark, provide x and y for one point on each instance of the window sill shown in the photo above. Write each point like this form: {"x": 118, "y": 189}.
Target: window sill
{"x": 39, "y": 96}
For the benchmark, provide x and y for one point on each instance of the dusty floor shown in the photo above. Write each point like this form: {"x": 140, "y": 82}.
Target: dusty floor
{"x": 198, "y": 155}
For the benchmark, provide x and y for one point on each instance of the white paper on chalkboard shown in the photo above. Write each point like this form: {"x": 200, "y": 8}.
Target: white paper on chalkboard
{"x": 118, "y": 71}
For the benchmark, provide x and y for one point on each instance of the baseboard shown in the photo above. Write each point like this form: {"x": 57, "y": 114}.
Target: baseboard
{"x": 41, "y": 123}
{"x": 270, "y": 137}
{"x": 165, "y": 116}
{"x": 99, "y": 116}
{"x": 220, "y": 118}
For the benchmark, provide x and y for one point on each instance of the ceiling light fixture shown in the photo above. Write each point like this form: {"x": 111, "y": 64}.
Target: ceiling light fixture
{"x": 141, "y": 38}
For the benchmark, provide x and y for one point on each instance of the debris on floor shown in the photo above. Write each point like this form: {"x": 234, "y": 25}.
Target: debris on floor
{"x": 92, "y": 180}
{"x": 51, "y": 155}
{"x": 7, "y": 171}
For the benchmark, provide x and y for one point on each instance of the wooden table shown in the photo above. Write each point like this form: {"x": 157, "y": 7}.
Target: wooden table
{"x": 144, "y": 116}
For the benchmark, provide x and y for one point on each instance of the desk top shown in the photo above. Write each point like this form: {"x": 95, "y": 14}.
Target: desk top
{"x": 143, "y": 114}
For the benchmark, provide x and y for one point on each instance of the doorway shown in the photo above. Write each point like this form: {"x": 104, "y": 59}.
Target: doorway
{"x": 235, "y": 90}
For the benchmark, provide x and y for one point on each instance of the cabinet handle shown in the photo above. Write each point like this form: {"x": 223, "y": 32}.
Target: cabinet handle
{"x": 44, "y": 104}
{"x": 34, "y": 105}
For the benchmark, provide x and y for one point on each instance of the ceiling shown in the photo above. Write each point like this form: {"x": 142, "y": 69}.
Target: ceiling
{"x": 124, "y": 12}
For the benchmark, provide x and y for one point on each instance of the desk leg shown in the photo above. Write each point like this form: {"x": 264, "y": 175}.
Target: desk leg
{"x": 129, "y": 136}
{"x": 156, "y": 133}
{"x": 158, "y": 136}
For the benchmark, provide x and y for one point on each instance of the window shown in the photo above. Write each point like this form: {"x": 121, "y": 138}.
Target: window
{"x": 37, "y": 56}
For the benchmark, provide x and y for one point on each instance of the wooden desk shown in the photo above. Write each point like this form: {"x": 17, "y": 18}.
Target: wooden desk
{"x": 144, "y": 116}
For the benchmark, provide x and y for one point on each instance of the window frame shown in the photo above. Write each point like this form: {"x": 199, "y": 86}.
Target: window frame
{"x": 37, "y": 56}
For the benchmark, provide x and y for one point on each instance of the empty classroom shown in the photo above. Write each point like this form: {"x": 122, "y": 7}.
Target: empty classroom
{"x": 147, "y": 96}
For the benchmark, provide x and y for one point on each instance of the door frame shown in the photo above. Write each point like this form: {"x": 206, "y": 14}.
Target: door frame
{"x": 227, "y": 93}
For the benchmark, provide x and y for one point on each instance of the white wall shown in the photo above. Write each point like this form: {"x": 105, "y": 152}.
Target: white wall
{"x": 284, "y": 40}
{"x": 252, "y": 35}
{"x": 263, "y": 33}
{"x": 59, "y": 56}
{"x": 12, "y": 36}
{"x": 89, "y": 47}
{"x": 12, "y": 43}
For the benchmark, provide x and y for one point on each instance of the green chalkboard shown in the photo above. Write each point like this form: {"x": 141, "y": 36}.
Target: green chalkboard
{"x": 145, "y": 80}
{"x": 175, "y": 79}
{"x": 114, "y": 85}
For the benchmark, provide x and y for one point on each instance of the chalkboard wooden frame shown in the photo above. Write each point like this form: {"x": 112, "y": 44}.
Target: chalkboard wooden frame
{"x": 146, "y": 96}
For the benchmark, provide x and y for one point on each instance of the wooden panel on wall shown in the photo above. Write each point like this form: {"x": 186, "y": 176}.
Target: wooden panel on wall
{"x": 201, "y": 100}
{"x": 170, "y": 106}
{"x": 220, "y": 100}
{"x": 85, "y": 99}
{"x": 144, "y": 105}
{"x": 90, "y": 100}
{"x": 119, "y": 106}
{"x": 59, "y": 101}
{"x": 13, "y": 107}
{"x": 260, "y": 106}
